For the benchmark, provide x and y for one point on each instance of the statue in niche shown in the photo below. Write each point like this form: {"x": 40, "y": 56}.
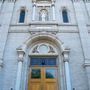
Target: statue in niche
{"x": 43, "y": 15}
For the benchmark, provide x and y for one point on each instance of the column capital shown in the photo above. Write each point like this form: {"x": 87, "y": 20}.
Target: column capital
{"x": 33, "y": 1}
{"x": 34, "y": 4}
{"x": 20, "y": 55}
{"x": 65, "y": 53}
{"x": 1, "y": 62}
{"x": 53, "y": 3}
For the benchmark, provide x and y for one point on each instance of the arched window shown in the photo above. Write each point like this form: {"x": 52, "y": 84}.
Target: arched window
{"x": 43, "y": 48}
{"x": 65, "y": 16}
{"x": 22, "y": 16}
{"x": 43, "y": 15}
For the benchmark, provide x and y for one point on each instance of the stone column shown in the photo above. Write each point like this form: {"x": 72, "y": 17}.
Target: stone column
{"x": 19, "y": 69}
{"x": 53, "y": 10}
{"x": 34, "y": 11}
{"x": 67, "y": 70}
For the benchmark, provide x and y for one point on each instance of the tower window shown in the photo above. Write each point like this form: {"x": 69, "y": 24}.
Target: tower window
{"x": 22, "y": 16}
{"x": 65, "y": 16}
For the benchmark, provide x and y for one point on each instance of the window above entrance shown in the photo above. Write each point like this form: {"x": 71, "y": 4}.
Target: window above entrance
{"x": 43, "y": 61}
{"x": 43, "y": 48}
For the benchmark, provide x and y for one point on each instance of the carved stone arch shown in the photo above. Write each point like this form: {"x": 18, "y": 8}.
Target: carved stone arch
{"x": 50, "y": 49}
{"x": 63, "y": 52}
{"x": 42, "y": 36}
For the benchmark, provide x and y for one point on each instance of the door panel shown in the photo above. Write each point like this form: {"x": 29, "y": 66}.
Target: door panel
{"x": 50, "y": 73}
{"x": 50, "y": 80}
{"x": 50, "y": 86}
{"x": 35, "y": 86}
{"x": 43, "y": 78}
{"x": 35, "y": 79}
{"x": 36, "y": 74}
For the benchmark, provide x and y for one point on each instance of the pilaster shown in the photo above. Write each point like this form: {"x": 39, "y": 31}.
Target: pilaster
{"x": 19, "y": 68}
{"x": 5, "y": 17}
{"x": 67, "y": 69}
{"x": 81, "y": 18}
{"x": 5, "y": 20}
{"x": 82, "y": 27}
{"x": 87, "y": 67}
{"x": 34, "y": 11}
{"x": 53, "y": 10}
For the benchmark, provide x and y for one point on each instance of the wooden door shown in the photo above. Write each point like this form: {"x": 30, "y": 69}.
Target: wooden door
{"x": 35, "y": 79}
{"x": 43, "y": 78}
{"x": 50, "y": 78}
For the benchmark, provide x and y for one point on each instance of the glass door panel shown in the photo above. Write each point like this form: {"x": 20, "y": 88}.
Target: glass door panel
{"x": 50, "y": 80}
{"x": 50, "y": 73}
{"x": 36, "y": 73}
{"x": 35, "y": 81}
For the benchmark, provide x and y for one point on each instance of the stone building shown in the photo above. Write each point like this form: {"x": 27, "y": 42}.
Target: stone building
{"x": 44, "y": 45}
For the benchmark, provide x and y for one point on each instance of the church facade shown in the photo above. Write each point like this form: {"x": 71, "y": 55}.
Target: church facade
{"x": 44, "y": 44}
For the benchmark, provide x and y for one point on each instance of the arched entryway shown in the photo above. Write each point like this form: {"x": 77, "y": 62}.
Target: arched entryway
{"x": 44, "y": 46}
{"x": 43, "y": 74}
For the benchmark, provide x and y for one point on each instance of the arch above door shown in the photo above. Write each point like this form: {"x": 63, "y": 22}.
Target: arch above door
{"x": 45, "y": 37}
{"x": 49, "y": 41}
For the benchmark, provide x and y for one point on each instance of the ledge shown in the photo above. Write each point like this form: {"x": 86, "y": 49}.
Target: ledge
{"x": 48, "y": 26}
{"x": 36, "y": 26}
{"x": 44, "y": 23}
{"x": 87, "y": 63}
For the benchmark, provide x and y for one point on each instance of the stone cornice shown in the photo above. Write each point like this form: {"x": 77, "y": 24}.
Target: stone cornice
{"x": 44, "y": 23}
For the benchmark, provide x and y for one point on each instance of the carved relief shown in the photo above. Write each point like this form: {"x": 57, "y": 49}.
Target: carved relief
{"x": 43, "y": 48}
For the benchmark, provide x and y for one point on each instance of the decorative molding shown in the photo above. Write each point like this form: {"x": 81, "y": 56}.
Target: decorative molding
{"x": 21, "y": 52}
{"x": 50, "y": 49}
{"x": 49, "y": 54}
{"x": 44, "y": 23}
{"x": 34, "y": 4}
{"x": 1, "y": 62}
{"x": 43, "y": 4}
{"x": 65, "y": 53}
{"x": 33, "y": 1}
{"x": 43, "y": 31}
{"x": 87, "y": 63}
{"x": 53, "y": 3}
{"x": 35, "y": 27}
{"x": 41, "y": 36}
{"x": 47, "y": 31}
